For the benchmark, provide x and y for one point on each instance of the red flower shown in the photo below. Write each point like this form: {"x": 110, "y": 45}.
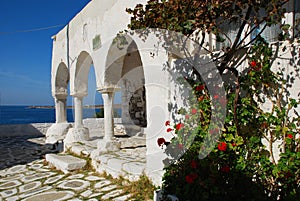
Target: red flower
{"x": 216, "y": 96}
{"x": 253, "y": 63}
{"x": 217, "y": 88}
{"x": 169, "y": 130}
{"x": 167, "y": 123}
{"x": 214, "y": 131}
{"x": 194, "y": 111}
{"x": 200, "y": 87}
{"x": 179, "y": 126}
{"x": 289, "y": 136}
{"x": 222, "y": 146}
{"x": 255, "y": 66}
{"x": 200, "y": 98}
{"x": 223, "y": 101}
{"x": 161, "y": 141}
{"x": 191, "y": 178}
{"x": 225, "y": 169}
{"x": 194, "y": 164}
{"x": 264, "y": 125}
{"x": 180, "y": 146}
{"x": 233, "y": 144}
{"x": 187, "y": 116}
{"x": 288, "y": 174}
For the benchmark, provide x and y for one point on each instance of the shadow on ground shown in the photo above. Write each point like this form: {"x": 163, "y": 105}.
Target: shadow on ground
{"x": 17, "y": 150}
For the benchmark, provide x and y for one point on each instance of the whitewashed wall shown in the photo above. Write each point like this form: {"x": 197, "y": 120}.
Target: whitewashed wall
{"x": 88, "y": 40}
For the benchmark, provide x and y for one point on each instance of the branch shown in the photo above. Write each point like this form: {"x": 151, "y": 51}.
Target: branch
{"x": 236, "y": 98}
{"x": 259, "y": 34}
{"x": 220, "y": 31}
{"x": 271, "y": 147}
{"x": 197, "y": 54}
{"x": 247, "y": 16}
{"x": 188, "y": 55}
{"x": 255, "y": 27}
{"x": 231, "y": 52}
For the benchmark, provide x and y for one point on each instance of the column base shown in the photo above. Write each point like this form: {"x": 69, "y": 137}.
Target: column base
{"x": 57, "y": 132}
{"x": 105, "y": 146}
{"x": 77, "y": 135}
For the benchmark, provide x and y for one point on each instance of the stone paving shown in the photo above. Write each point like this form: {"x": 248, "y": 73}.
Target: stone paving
{"x": 129, "y": 162}
{"x": 25, "y": 175}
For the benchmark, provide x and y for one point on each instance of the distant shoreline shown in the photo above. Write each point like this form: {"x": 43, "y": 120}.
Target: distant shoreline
{"x": 71, "y": 107}
{"x": 42, "y": 114}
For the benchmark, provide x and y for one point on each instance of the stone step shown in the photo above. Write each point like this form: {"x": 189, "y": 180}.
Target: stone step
{"x": 121, "y": 129}
{"x": 133, "y": 142}
{"x": 65, "y": 163}
{"x": 128, "y": 163}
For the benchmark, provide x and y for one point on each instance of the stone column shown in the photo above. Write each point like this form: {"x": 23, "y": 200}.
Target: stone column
{"x": 78, "y": 112}
{"x": 58, "y": 131}
{"x": 79, "y": 133}
{"x": 61, "y": 109}
{"x": 109, "y": 143}
{"x": 108, "y": 98}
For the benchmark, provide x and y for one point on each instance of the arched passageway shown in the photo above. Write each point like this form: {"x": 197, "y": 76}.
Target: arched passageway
{"x": 133, "y": 88}
{"x": 79, "y": 89}
{"x": 61, "y": 92}
{"x": 125, "y": 72}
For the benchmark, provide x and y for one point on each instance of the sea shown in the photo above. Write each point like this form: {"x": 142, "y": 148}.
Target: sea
{"x": 27, "y": 114}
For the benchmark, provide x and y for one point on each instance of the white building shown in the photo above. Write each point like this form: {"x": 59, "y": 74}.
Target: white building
{"x": 134, "y": 66}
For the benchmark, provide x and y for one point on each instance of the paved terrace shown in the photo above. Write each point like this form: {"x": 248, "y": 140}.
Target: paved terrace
{"x": 25, "y": 174}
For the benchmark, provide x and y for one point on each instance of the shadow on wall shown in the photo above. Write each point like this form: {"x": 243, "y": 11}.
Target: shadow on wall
{"x": 19, "y": 150}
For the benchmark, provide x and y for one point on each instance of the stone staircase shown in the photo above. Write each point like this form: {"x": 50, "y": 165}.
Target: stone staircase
{"x": 129, "y": 162}
{"x": 64, "y": 162}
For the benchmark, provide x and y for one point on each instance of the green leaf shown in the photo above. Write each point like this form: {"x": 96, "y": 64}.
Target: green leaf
{"x": 220, "y": 39}
{"x": 293, "y": 102}
{"x": 229, "y": 137}
{"x": 285, "y": 27}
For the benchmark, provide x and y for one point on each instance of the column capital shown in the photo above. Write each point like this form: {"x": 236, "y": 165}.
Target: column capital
{"x": 109, "y": 89}
{"x": 61, "y": 96}
{"x": 78, "y": 95}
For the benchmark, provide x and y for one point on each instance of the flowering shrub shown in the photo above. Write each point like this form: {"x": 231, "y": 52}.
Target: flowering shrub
{"x": 161, "y": 141}
{"x": 222, "y": 146}
{"x": 240, "y": 166}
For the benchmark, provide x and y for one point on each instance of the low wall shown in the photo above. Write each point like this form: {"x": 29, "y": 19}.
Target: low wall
{"x": 12, "y": 130}
{"x": 95, "y": 126}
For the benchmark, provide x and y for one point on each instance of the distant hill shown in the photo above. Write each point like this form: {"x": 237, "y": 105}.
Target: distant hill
{"x": 70, "y": 107}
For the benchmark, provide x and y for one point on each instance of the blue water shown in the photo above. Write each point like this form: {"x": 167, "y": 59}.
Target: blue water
{"x": 25, "y": 115}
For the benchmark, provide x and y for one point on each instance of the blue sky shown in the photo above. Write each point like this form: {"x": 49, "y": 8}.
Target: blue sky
{"x": 25, "y": 57}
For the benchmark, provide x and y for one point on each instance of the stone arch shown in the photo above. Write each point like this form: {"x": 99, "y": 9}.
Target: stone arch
{"x": 124, "y": 71}
{"x": 62, "y": 80}
{"x": 82, "y": 68}
{"x": 79, "y": 89}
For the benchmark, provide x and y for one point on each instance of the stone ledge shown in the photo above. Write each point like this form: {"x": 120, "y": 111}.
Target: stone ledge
{"x": 77, "y": 135}
{"x": 57, "y": 132}
{"x": 14, "y": 130}
{"x": 65, "y": 163}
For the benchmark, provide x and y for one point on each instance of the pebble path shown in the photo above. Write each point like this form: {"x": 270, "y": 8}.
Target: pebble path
{"x": 24, "y": 175}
